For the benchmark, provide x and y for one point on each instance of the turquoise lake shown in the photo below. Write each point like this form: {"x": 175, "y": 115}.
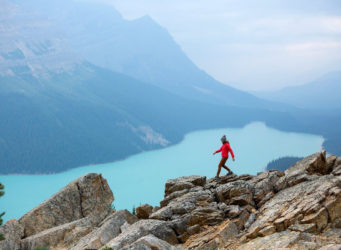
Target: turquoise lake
{"x": 140, "y": 178}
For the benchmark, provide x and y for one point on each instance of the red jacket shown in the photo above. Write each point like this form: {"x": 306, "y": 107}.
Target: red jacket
{"x": 225, "y": 149}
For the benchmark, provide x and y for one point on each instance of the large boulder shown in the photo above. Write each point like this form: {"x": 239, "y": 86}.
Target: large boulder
{"x": 235, "y": 193}
{"x": 110, "y": 228}
{"x": 150, "y": 242}
{"x": 283, "y": 240}
{"x": 263, "y": 186}
{"x": 59, "y": 237}
{"x": 186, "y": 182}
{"x": 13, "y": 231}
{"x": 89, "y": 195}
{"x": 306, "y": 169}
{"x": 315, "y": 202}
{"x": 214, "y": 238}
{"x": 184, "y": 204}
{"x": 159, "y": 229}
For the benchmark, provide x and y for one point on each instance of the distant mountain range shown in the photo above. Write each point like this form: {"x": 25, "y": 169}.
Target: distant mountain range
{"x": 81, "y": 85}
{"x": 139, "y": 48}
{"x": 322, "y": 94}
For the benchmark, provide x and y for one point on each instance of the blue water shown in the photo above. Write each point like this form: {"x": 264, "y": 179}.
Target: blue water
{"x": 141, "y": 178}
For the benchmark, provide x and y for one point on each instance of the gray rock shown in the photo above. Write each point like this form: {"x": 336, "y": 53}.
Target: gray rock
{"x": 159, "y": 229}
{"x": 88, "y": 195}
{"x": 264, "y": 185}
{"x": 331, "y": 247}
{"x": 304, "y": 203}
{"x": 182, "y": 183}
{"x": 237, "y": 192}
{"x": 13, "y": 231}
{"x": 206, "y": 215}
{"x": 150, "y": 242}
{"x": 337, "y": 170}
{"x": 233, "y": 211}
{"x": 301, "y": 171}
{"x": 107, "y": 230}
{"x": 60, "y": 236}
{"x": 281, "y": 240}
{"x": 183, "y": 204}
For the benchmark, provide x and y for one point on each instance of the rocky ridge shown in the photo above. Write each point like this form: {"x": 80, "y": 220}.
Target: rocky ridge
{"x": 296, "y": 209}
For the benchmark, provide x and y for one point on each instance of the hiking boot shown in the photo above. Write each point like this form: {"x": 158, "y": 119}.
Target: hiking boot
{"x": 217, "y": 178}
{"x": 229, "y": 173}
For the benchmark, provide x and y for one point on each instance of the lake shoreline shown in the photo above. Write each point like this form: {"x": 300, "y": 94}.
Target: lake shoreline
{"x": 151, "y": 150}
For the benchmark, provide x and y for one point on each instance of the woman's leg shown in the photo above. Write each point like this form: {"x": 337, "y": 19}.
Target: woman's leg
{"x": 226, "y": 167}
{"x": 221, "y": 164}
{"x": 218, "y": 172}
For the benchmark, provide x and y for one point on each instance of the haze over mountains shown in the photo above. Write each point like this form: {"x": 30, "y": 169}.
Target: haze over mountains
{"x": 80, "y": 85}
{"x": 322, "y": 94}
{"x": 140, "y": 48}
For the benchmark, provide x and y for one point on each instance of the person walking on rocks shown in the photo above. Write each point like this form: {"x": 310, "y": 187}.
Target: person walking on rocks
{"x": 225, "y": 149}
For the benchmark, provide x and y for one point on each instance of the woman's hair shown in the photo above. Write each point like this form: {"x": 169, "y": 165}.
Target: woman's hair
{"x": 223, "y": 139}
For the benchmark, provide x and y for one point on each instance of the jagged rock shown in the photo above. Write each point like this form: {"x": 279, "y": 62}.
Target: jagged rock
{"x": 337, "y": 170}
{"x": 207, "y": 215}
{"x": 156, "y": 208}
{"x": 183, "y": 204}
{"x": 107, "y": 230}
{"x": 213, "y": 238}
{"x": 301, "y": 204}
{"x": 233, "y": 211}
{"x": 13, "y": 232}
{"x": 264, "y": 186}
{"x": 331, "y": 247}
{"x": 237, "y": 192}
{"x": 298, "y": 209}
{"x": 308, "y": 228}
{"x": 182, "y": 183}
{"x": 330, "y": 163}
{"x": 150, "y": 242}
{"x": 60, "y": 236}
{"x": 301, "y": 171}
{"x": 241, "y": 220}
{"x": 88, "y": 195}
{"x": 172, "y": 196}
{"x": 267, "y": 230}
{"x": 274, "y": 241}
{"x": 144, "y": 211}
{"x": 160, "y": 229}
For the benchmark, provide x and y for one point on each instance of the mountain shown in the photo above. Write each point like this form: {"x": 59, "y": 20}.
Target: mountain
{"x": 138, "y": 48}
{"x": 60, "y": 111}
{"x": 322, "y": 94}
{"x": 274, "y": 210}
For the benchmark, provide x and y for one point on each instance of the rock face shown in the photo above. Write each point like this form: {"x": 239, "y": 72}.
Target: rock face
{"x": 88, "y": 195}
{"x": 297, "y": 209}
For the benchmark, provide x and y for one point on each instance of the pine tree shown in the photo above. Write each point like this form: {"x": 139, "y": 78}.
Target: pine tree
{"x": 2, "y": 187}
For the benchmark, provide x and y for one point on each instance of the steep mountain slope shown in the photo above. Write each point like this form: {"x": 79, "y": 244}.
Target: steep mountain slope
{"x": 139, "y": 48}
{"x": 322, "y": 94}
{"x": 92, "y": 115}
{"x": 58, "y": 111}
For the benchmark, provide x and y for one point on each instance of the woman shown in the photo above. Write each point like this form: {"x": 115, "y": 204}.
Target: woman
{"x": 225, "y": 149}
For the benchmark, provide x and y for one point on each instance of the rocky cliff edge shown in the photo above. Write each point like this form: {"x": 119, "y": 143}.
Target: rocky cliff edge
{"x": 296, "y": 209}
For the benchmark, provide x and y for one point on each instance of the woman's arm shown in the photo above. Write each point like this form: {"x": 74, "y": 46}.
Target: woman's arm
{"x": 219, "y": 150}
{"x": 231, "y": 151}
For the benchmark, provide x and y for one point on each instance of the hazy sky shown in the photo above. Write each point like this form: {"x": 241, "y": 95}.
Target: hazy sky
{"x": 251, "y": 44}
